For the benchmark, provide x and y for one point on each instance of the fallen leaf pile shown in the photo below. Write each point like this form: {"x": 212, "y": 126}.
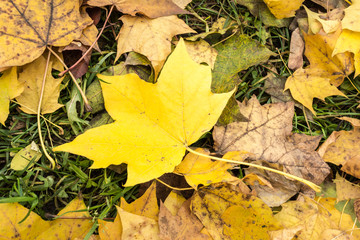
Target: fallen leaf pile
{"x": 160, "y": 99}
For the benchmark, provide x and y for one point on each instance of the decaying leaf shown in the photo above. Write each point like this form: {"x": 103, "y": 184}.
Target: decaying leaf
{"x": 283, "y": 9}
{"x": 201, "y": 52}
{"x": 319, "y": 49}
{"x": 346, "y": 190}
{"x": 150, "y": 37}
{"x": 151, "y": 9}
{"x": 210, "y": 205}
{"x": 154, "y": 122}
{"x": 344, "y": 150}
{"x": 138, "y": 227}
{"x": 296, "y": 50}
{"x": 27, "y": 27}
{"x": 32, "y": 77}
{"x": 10, "y": 88}
{"x": 309, "y": 83}
{"x": 173, "y": 202}
{"x": 219, "y": 27}
{"x": 268, "y": 136}
{"x": 182, "y": 226}
{"x": 110, "y": 230}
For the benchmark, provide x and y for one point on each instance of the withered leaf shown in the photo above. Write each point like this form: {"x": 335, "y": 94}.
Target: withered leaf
{"x": 268, "y": 135}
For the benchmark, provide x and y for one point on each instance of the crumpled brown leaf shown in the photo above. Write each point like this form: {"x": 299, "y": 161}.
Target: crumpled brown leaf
{"x": 268, "y": 135}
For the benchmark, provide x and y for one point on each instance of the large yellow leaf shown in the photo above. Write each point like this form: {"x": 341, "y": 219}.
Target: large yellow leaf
{"x": 282, "y": 8}
{"x": 348, "y": 42}
{"x": 309, "y": 83}
{"x": 27, "y": 27}
{"x": 152, "y": 9}
{"x": 32, "y": 78}
{"x": 9, "y": 89}
{"x": 352, "y": 15}
{"x": 153, "y": 122}
{"x": 150, "y": 37}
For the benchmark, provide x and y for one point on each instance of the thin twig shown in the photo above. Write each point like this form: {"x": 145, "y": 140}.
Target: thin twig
{"x": 52, "y": 161}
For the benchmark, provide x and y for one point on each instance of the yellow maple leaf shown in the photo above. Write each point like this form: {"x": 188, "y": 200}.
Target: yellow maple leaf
{"x": 27, "y": 27}
{"x": 283, "y": 9}
{"x": 160, "y": 8}
{"x": 150, "y": 37}
{"x": 318, "y": 21}
{"x": 306, "y": 84}
{"x": 154, "y": 123}
{"x": 32, "y": 78}
{"x": 9, "y": 89}
{"x": 348, "y": 42}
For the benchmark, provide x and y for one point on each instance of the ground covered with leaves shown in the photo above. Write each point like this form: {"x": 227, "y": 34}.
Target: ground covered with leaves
{"x": 179, "y": 119}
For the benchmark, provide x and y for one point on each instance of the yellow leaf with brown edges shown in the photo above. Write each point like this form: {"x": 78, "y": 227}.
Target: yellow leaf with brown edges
{"x": 152, "y": 9}
{"x": 10, "y": 88}
{"x": 146, "y": 205}
{"x": 32, "y": 77}
{"x": 283, "y": 9}
{"x": 309, "y": 83}
{"x": 150, "y": 37}
{"x": 27, "y": 27}
{"x": 154, "y": 123}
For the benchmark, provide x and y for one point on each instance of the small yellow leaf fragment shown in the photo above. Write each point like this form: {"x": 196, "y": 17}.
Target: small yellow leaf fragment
{"x": 352, "y": 15}
{"x": 173, "y": 202}
{"x": 153, "y": 122}
{"x": 145, "y": 206}
{"x": 201, "y": 52}
{"x": 283, "y": 9}
{"x": 346, "y": 190}
{"x": 9, "y": 89}
{"x": 110, "y": 230}
{"x": 138, "y": 227}
{"x": 316, "y": 22}
{"x": 32, "y": 78}
{"x": 22, "y": 158}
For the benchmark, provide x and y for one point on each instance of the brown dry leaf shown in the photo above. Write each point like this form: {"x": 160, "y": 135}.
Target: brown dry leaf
{"x": 346, "y": 190}
{"x": 32, "y": 77}
{"x": 182, "y": 226}
{"x": 268, "y": 135}
{"x": 152, "y": 9}
{"x": 201, "y": 170}
{"x": 110, "y": 230}
{"x": 357, "y": 207}
{"x": 319, "y": 49}
{"x": 137, "y": 227}
{"x": 210, "y": 203}
{"x": 72, "y": 53}
{"x": 10, "y": 88}
{"x": 150, "y": 37}
{"x": 309, "y": 83}
{"x": 145, "y": 206}
{"x": 201, "y": 52}
{"x": 296, "y": 50}
{"x": 279, "y": 188}
{"x": 345, "y": 149}
{"x": 27, "y": 27}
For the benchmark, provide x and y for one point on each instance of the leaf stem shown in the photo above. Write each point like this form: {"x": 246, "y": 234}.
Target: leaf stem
{"x": 52, "y": 161}
{"x": 86, "y": 102}
{"x": 92, "y": 45}
{"x": 304, "y": 181}
{"x": 174, "y": 188}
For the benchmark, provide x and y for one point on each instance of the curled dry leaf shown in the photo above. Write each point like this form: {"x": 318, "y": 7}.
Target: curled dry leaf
{"x": 27, "y": 27}
{"x": 150, "y": 37}
{"x": 296, "y": 50}
{"x": 268, "y": 135}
